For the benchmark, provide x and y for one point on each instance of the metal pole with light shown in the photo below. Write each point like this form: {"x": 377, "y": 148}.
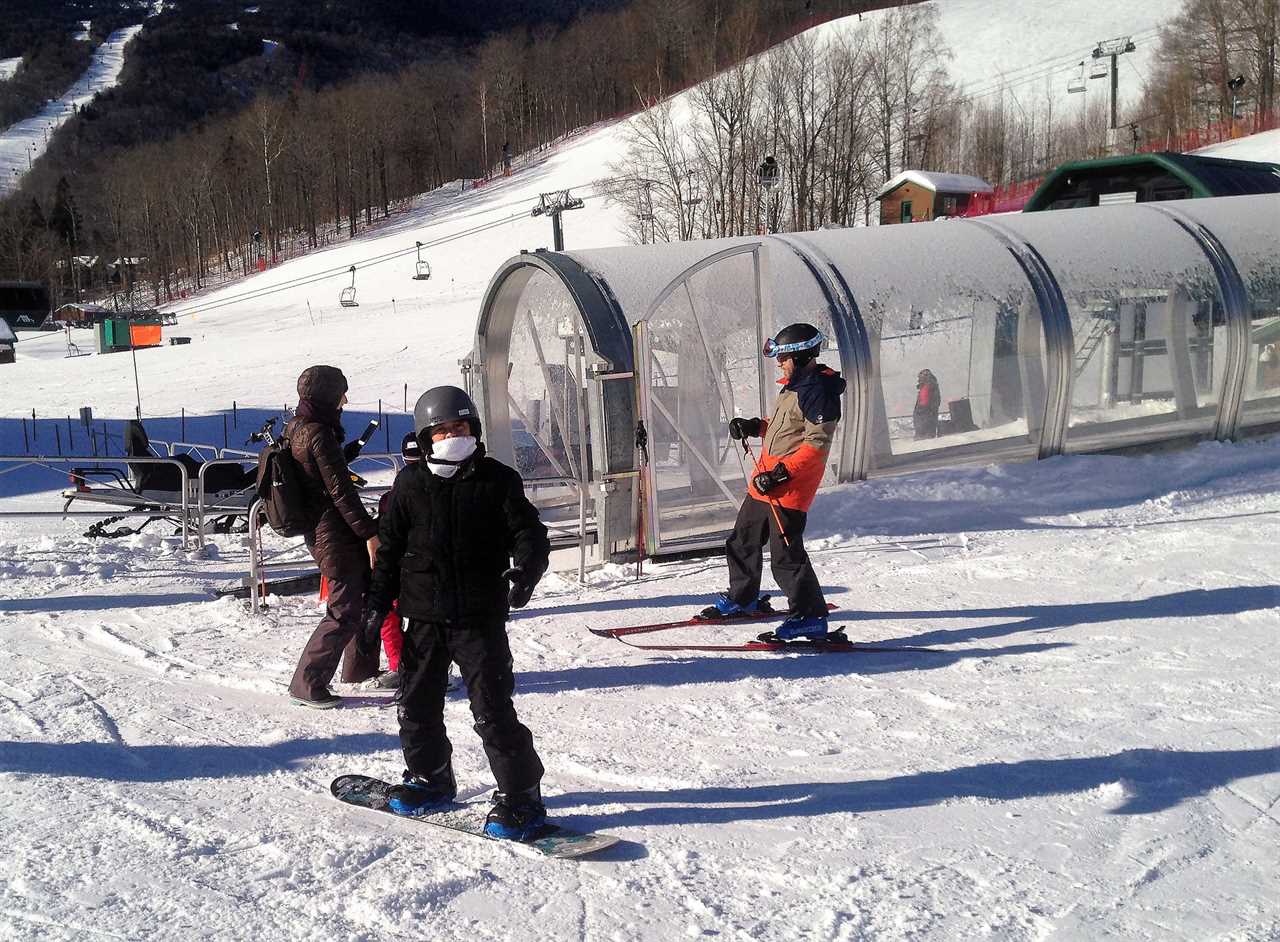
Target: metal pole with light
{"x": 769, "y": 176}
{"x": 1235, "y": 85}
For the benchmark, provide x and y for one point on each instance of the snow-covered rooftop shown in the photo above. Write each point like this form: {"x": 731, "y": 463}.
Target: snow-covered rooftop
{"x": 938, "y": 182}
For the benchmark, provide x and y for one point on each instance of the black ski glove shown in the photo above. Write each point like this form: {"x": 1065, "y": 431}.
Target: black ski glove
{"x": 743, "y": 428}
{"x": 521, "y": 587}
{"x": 371, "y": 626}
{"x": 765, "y": 481}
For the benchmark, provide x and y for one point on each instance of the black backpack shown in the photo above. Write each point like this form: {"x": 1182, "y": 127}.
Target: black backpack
{"x": 280, "y": 487}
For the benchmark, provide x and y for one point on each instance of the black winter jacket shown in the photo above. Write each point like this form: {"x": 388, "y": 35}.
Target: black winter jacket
{"x": 445, "y": 542}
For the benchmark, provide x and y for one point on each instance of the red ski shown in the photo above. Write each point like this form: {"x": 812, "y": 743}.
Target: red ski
{"x": 840, "y": 645}
{"x": 689, "y": 623}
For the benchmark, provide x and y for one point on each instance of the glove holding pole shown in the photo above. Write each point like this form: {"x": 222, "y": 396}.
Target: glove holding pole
{"x": 771, "y": 482}
{"x": 765, "y": 481}
{"x": 740, "y": 429}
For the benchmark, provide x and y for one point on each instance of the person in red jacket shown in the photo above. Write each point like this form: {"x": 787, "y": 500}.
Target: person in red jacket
{"x": 797, "y": 440}
{"x": 924, "y": 417}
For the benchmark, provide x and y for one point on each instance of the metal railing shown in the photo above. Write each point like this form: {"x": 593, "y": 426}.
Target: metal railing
{"x": 261, "y": 562}
{"x": 96, "y": 462}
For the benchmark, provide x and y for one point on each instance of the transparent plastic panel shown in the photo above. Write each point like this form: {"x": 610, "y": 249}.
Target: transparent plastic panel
{"x": 543, "y": 384}
{"x": 637, "y": 274}
{"x": 1249, "y": 229}
{"x": 957, "y": 342}
{"x": 702, "y": 370}
{"x": 1147, "y": 320}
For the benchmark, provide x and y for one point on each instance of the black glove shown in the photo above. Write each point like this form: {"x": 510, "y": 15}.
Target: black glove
{"x": 765, "y": 481}
{"x": 371, "y": 627}
{"x": 743, "y": 428}
{"x": 521, "y": 587}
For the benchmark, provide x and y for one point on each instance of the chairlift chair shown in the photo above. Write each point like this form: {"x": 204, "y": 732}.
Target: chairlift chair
{"x": 1100, "y": 68}
{"x": 1077, "y": 82}
{"x": 422, "y": 270}
{"x": 348, "y": 296}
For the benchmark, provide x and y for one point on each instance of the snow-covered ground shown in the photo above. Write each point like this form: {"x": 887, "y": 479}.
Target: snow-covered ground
{"x": 21, "y": 144}
{"x": 9, "y": 68}
{"x": 1092, "y": 752}
{"x": 1264, "y": 146}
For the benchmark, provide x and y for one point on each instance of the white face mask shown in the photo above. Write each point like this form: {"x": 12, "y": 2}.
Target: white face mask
{"x": 448, "y": 454}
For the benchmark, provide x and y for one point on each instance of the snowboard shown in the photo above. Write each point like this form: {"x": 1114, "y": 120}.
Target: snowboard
{"x": 467, "y": 817}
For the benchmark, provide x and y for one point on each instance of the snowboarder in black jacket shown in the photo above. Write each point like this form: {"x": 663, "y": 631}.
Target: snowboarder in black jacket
{"x": 460, "y": 545}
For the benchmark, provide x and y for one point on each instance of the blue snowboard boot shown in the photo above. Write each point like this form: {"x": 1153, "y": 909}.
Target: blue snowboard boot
{"x": 516, "y": 817}
{"x": 726, "y": 607}
{"x": 419, "y": 795}
{"x": 802, "y": 627}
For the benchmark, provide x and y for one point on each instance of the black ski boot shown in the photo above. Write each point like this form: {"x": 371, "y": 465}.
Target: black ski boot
{"x": 423, "y": 794}
{"x": 516, "y": 817}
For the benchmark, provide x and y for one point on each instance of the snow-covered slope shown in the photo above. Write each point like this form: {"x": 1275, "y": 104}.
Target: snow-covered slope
{"x": 24, "y": 142}
{"x": 1264, "y": 146}
{"x": 9, "y": 67}
{"x": 1032, "y": 48}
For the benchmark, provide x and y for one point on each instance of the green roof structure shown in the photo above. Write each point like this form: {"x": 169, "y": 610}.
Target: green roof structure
{"x": 1144, "y": 178}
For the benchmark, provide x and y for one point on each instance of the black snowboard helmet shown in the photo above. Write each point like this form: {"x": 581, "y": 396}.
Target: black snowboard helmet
{"x": 410, "y": 451}
{"x": 801, "y": 341}
{"x": 439, "y": 405}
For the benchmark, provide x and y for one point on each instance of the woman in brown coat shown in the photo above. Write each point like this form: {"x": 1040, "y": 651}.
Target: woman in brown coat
{"x": 342, "y": 543}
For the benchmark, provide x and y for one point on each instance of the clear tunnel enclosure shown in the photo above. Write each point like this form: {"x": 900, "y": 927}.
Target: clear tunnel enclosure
{"x": 1032, "y": 335}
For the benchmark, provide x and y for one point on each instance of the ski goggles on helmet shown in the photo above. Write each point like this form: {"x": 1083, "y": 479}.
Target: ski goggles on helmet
{"x": 772, "y": 348}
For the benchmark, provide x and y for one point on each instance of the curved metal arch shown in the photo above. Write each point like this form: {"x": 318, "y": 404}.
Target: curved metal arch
{"x": 1235, "y": 303}
{"x": 606, "y": 333}
{"x": 693, "y": 269}
{"x": 855, "y": 354}
{"x": 1059, "y": 336}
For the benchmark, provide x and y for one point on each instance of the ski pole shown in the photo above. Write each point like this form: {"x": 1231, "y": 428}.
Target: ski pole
{"x": 642, "y": 443}
{"x": 773, "y": 505}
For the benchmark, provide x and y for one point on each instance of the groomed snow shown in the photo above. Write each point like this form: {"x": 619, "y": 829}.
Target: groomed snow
{"x": 1093, "y": 753}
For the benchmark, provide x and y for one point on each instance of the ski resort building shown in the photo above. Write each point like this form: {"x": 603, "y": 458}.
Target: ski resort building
{"x": 1053, "y": 333}
{"x": 922, "y": 196}
{"x": 24, "y": 305}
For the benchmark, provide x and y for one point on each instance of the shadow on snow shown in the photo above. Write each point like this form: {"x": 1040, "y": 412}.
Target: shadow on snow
{"x": 1154, "y": 780}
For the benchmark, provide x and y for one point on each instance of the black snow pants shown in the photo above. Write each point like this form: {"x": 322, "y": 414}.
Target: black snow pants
{"x": 482, "y": 653}
{"x": 794, "y": 573}
{"x": 337, "y": 636}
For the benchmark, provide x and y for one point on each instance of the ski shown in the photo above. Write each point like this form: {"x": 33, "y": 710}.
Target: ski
{"x": 840, "y": 645}
{"x": 695, "y": 621}
{"x": 467, "y": 817}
